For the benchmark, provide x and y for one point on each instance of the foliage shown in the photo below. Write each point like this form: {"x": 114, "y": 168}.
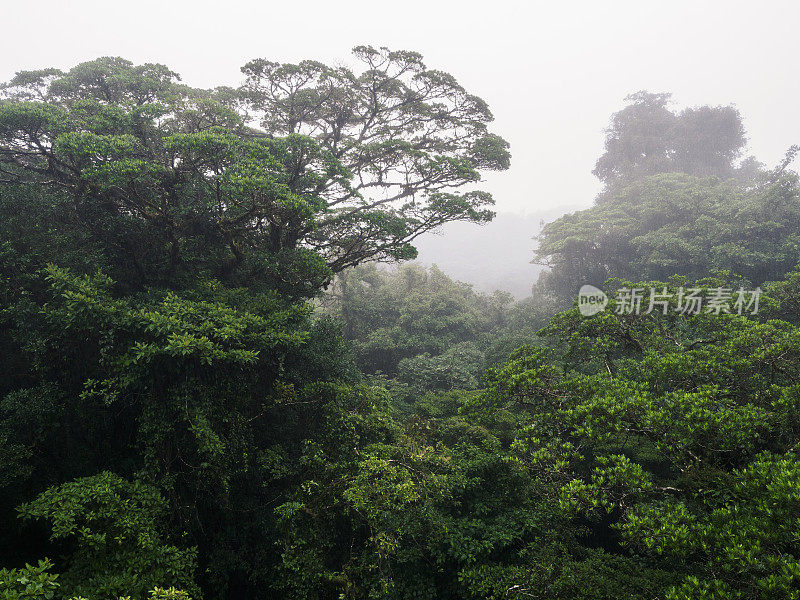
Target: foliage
{"x": 157, "y": 244}
{"x": 458, "y": 367}
{"x": 397, "y": 510}
{"x": 173, "y": 413}
{"x": 36, "y": 582}
{"x": 416, "y": 322}
{"x": 671, "y": 224}
{"x": 173, "y": 180}
{"x": 675, "y": 202}
{"x": 118, "y": 546}
{"x": 673, "y": 437}
{"x": 201, "y": 392}
{"x": 32, "y": 582}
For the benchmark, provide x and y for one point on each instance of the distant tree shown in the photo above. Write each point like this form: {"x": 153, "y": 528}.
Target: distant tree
{"x": 708, "y": 140}
{"x": 436, "y": 328}
{"x": 646, "y": 138}
{"x": 638, "y": 139}
{"x": 458, "y": 368}
{"x": 671, "y": 224}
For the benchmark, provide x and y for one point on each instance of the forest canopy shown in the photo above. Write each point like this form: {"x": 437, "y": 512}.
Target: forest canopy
{"x": 205, "y": 392}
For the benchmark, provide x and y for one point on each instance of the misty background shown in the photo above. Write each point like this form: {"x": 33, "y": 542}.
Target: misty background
{"x": 553, "y": 73}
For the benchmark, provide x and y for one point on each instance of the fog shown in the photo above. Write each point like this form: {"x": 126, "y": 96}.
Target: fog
{"x": 552, "y": 73}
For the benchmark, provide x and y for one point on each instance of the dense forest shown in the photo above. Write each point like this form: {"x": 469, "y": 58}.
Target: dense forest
{"x": 211, "y": 387}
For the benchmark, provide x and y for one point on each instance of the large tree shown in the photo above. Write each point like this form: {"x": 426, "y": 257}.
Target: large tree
{"x": 302, "y": 172}
{"x": 409, "y": 135}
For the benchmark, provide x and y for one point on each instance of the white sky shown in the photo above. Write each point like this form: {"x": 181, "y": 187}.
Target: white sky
{"x": 552, "y": 72}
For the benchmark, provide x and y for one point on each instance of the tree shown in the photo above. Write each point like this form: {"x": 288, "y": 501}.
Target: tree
{"x": 672, "y": 437}
{"x": 37, "y": 583}
{"x": 174, "y": 389}
{"x": 677, "y": 199}
{"x": 670, "y": 224}
{"x": 158, "y": 241}
{"x": 646, "y": 138}
{"x": 459, "y": 367}
{"x": 118, "y": 540}
{"x": 409, "y": 136}
{"x": 173, "y": 180}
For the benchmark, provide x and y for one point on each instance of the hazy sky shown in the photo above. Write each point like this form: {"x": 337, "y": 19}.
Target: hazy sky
{"x": 552, "y": 72}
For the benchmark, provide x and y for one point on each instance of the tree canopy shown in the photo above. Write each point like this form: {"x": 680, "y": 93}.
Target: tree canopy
{"x": 679, "y": 199}
{"x": 680, "y": 224}
{"x": 303, "y": 171}
{"x": 184, "y": 413}
{"x": 647, "y": 137}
